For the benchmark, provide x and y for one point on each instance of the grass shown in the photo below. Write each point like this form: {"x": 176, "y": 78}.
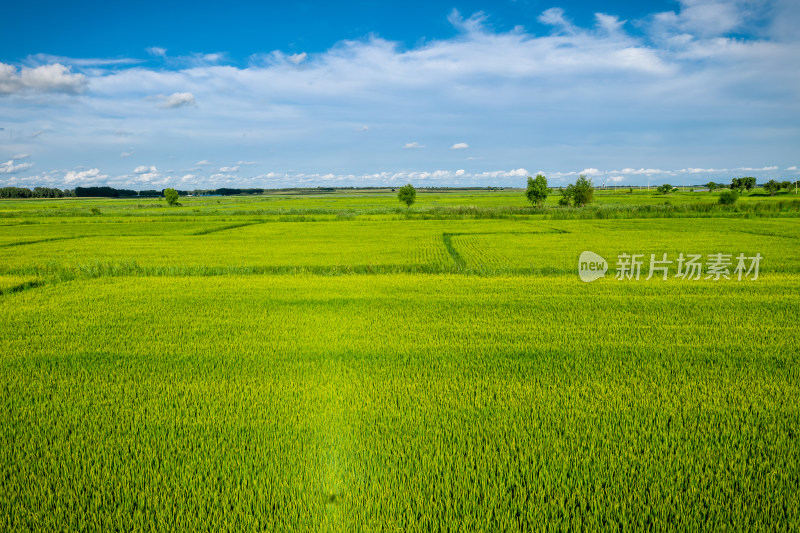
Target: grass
{"x": 212, "y": 371}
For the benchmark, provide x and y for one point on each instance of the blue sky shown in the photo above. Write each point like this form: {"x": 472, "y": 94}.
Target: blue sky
{"x": 150, "y": 95}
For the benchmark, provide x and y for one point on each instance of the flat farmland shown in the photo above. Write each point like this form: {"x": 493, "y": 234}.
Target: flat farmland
{"x": 333, "y": 362}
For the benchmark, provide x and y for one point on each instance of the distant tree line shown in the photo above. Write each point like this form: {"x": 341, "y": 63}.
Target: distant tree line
{"x": 110, "y": 192}
{"x": 37, "y": 192}
{"x": 225, "y": 191}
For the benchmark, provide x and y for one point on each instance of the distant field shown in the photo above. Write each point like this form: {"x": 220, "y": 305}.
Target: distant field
{"x": 338, "y": 362}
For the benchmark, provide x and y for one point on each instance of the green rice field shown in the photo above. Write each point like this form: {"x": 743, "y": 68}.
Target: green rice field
{"x": 336, "y": 362}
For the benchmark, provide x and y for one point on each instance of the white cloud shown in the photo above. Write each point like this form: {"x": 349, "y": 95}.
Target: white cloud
{"x": 55, "y": 78}
{"x": 297, "y": 58}
{"x": 84, "y": 177}
{"x": 459, "y": 146}
{"x": 706, "y": 18}
{"x": 19, "y": 157}
{"x": 703, "y": 170}
{"x": 641, "y": 171}
{"x": 126, "y": 154}
{"x": 793, "y": 167}
{"x": 413, "y": 145}
{"x": 762, "y": 169}
{"x": 608, "y": 23}
{"x": 229, "y": 169}
{"x": 9, "y": 167}
{"x": 471, "y": 25}
{"x": 39, "y": 60}
{"x": 555, "y": 17}
{"x": 147, "y": 174}
{"x": 157, "y": 51}
{"x": 203, "y": 162}
{"x": 178, "y": 100}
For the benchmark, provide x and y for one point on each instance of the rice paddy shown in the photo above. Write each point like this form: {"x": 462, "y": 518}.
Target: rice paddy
{"x": 332, "y": 362}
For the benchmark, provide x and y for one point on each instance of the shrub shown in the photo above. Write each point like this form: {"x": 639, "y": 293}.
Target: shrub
{"x": 728, "y": 197}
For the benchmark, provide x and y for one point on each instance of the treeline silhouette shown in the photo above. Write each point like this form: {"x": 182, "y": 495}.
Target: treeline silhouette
{"x": 37, "y": 192}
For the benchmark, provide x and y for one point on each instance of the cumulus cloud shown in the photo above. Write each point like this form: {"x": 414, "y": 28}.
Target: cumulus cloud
{"x": 176, "y": 100}
{"x": 90, "y": 176}
{"x": 459, "y": 146}
{"x": 229, "y": 169}
{"x": 9, "y": 167}
{"x": 55, "y": 78}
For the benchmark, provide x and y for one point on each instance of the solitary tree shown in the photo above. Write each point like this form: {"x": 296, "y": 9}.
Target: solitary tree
{"x": 772, "y": 187}
{"x": 537, "y": 190}
{"x": 711, "y": 186}
{"x": 665, "y": 188}
{"x": 171, "y": 195}
{"x": 407, "y": 194}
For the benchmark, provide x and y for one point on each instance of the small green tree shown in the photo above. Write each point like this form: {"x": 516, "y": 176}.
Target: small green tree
{"x": 729, "y": 197}
{"x": 537, "y": 190}
{"x": 171, "y": 195}
{"x": 407, "y": 194}
{"x": 786, "y": 185}
{"x": 711, "y": 186}
{"x": 578, "y": 194}
{"x": 582, "y": 191}
{"x": 665, "y": 188}
{"x": 772, "y": 187}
